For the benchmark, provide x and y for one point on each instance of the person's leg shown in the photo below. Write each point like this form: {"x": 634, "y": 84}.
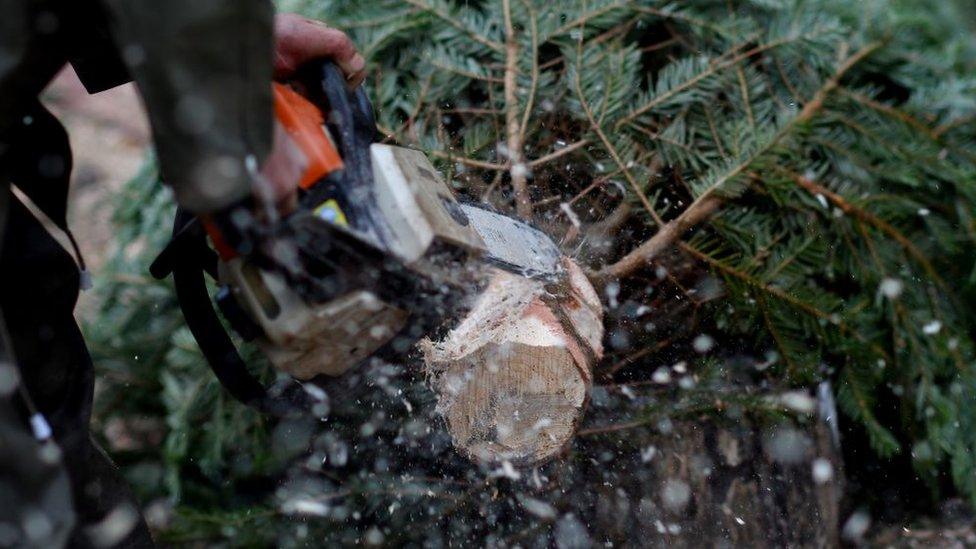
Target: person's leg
{"x": 35, "y": 495}
{"x": 39, "y": 284}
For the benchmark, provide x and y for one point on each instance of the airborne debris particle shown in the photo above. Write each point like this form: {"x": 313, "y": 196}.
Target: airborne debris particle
{"x": 822, "y": 471}
{"x": 703, "y": 343}
{"x": 507, "y": 470}
{"x": 662, "y": 376}
{"x": 113, "y": 528}
{"x": 856, "y": 526}
{"x": 538, "y": 508}
{"x": 675, "y": 495}
{"x": 9, "y": 380}
{"x": 891, "y": 287}
{"x": 787, "y": 445}
{"x": 571, "y": 534}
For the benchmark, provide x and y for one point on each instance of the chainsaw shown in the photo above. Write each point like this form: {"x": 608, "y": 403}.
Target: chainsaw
{"x": 379, "y": 253}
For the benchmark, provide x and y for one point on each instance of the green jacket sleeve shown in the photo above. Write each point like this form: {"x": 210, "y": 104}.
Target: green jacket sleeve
{"x": 204, "y": 69}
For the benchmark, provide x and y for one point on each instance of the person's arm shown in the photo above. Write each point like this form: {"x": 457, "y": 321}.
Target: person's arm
{"x": 204, "y": 68}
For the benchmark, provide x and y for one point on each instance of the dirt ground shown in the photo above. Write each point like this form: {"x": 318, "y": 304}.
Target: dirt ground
{"x": 109, "y": 137}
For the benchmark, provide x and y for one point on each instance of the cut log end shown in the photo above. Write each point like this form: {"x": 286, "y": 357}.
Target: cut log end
{"x": 513, "y": 377}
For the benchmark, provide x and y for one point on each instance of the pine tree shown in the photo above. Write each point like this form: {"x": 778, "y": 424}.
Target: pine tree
{"x": 789, "y": 181}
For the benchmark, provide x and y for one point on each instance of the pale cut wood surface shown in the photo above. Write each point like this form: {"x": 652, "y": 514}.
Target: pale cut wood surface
{"x": 513, "y": 377}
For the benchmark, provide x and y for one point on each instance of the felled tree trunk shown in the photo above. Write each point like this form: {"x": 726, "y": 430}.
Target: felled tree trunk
{"x": 713, "y": 480}
{"x": 514, "y": 376}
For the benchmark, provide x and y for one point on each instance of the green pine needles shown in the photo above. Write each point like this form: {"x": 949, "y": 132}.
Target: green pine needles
{"x": 795, "y": 178}
{"x": 817, "y": 156}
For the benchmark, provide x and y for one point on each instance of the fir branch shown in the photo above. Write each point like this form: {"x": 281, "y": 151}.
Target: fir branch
{"x": 778, "y": 339}
{"x": 713, "y": 69}
{"x": 608, "y": 145}
{"x": 708, "y": 200}
{"x": 572, "y": 147}
{"x": 892, "y": 112}
{"x": 474, "y": 163}
{"x": 798, "y": 304}
{"x": 446, "y": 17}
{"x": 582, "y": 20}
{"x": 816, "y": 189}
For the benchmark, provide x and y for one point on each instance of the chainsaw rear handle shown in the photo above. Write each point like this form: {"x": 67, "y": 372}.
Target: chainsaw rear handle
{"x": 351, "y": 123}
{"x": 188, "y": 264}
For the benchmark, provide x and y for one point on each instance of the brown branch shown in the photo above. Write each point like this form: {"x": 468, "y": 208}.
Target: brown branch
{"x": 866, "y": 217}
{"x": 556, "y": 154}
{"x": 892, "y": 112}
{"x": 708, "y": 201}
{"x": 456, "y": 24}
{"x": 517, "y": 169}
{"x": 469, "y": 161}
{"x": 527, "y": 111}
{"x": 670, "y": 233}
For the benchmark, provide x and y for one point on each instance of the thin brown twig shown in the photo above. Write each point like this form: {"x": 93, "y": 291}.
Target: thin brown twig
{"x": 477, "y": 37}
{"x": 629, "y": 359}
{"x": 556, "y": 154}
{"x": 530, "y": 103}
{"x": 469, "y": 161}
{"x": 465, "y": 73}
{"x": 941, "y": 130}
{"x": 517, "y": 169}
{"x": 864, "y": 216}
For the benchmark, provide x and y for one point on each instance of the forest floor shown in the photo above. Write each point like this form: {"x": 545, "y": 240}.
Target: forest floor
{"x": 110, "y": 137}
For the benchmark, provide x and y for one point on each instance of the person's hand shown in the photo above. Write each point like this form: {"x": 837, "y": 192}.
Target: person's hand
{"x": 297, "y": 41}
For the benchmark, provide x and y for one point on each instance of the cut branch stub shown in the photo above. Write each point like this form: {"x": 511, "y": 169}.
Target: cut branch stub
{"x": 513, "y": 378}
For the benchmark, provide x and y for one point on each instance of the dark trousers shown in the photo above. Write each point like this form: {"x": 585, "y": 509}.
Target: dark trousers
{"x": 39, "y": 284}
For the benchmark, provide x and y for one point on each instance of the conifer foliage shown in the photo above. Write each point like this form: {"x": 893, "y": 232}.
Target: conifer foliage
{"x": 791, "y": 181}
